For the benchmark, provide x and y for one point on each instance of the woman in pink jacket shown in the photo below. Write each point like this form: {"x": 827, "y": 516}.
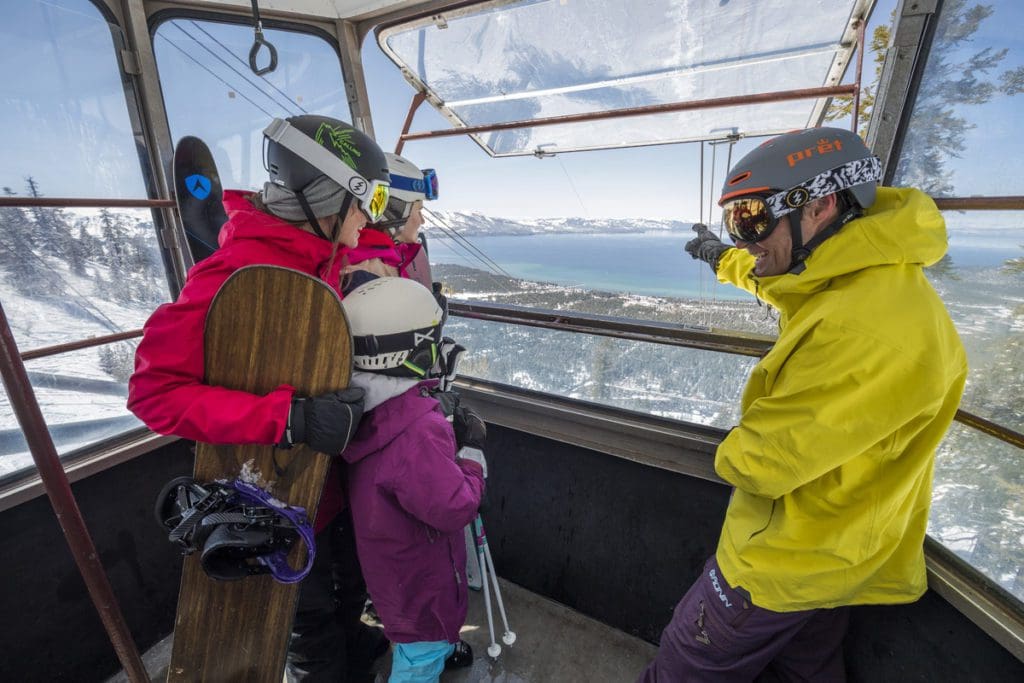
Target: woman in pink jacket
{"x": 409, "y": 493}
{"x": 306, "y": 218}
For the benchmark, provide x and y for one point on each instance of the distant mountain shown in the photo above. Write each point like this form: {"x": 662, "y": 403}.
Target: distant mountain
{"x": 472, "y": 223}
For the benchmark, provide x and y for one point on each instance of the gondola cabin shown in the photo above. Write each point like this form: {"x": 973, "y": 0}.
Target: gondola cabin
{"x": 575, "y": 141}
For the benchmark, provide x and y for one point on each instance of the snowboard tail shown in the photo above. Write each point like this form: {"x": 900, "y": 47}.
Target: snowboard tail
{"x": 267, "y": 326}
{"x": 199, "y": 193}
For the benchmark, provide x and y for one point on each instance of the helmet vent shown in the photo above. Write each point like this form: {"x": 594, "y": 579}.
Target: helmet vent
{"x": 739, "y": 178}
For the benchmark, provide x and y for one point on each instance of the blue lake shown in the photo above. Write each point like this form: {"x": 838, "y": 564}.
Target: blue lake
{"x": 644, "y": 263}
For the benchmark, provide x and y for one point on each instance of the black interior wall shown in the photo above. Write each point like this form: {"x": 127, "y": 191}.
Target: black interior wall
{"x": 50, "y": 629}
{"x": 622, "y": 542}
{"x": 616, "y": 540}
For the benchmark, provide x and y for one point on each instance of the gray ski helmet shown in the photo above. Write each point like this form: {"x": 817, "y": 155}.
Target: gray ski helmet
{"x": 356, "y": 149}
{"x": 796, "y": 167}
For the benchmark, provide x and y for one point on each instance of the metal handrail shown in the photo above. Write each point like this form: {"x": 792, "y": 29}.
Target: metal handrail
{"x": 672, "y": 334}
{"x": 44, "y": 351}
{"x": 80, "y": 202}
{"x": 1006, "y": 203}
{"x": 712, "y": 103}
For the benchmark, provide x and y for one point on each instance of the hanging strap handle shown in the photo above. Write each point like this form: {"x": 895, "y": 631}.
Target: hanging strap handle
{"x": 259, "y": 42}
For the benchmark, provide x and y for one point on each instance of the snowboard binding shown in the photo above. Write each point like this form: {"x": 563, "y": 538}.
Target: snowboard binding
{"x": 239, "y": 529}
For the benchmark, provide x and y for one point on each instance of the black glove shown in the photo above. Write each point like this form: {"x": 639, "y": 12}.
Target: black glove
{"x": 706, "y": 246}
{"x": 449, "y": 401}
{"x": 470, "y": 430}
{"x": 326, "y": 422}
{"x": 436, "y": 288}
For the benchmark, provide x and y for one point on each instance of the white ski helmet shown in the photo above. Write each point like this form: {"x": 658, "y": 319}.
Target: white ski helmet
{"x": 409, "y": 184}
{"x": 395, "y": 325}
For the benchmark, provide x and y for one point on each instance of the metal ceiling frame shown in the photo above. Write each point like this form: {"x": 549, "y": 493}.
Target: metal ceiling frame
{"x": 851, "y": 42}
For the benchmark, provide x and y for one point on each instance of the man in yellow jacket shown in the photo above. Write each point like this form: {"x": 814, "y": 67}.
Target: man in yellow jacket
{"x": 832, "y": 458}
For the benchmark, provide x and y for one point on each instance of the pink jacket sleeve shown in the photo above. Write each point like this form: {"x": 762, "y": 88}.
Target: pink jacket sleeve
{"x": 167, "y": 390}
{"x": 430, "y": 484}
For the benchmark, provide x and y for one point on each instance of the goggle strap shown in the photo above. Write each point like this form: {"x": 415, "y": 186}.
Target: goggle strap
{"x": 425, "y": 185}
{"x": 843, "y": 177}
{"x": 294, "y": 140}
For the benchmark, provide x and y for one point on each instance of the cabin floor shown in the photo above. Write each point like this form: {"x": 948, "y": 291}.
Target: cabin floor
{"x": 553, "y": 643}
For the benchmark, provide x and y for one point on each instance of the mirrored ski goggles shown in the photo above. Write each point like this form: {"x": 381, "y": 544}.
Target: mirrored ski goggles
{"x": 747, "y": 219}
{"x": 378, "y": 202}
{"x": 752, "y": 218}
{"x": 427, "y": 185}
{"x": 396, "y": 213}
{"x": 372, "y": 195}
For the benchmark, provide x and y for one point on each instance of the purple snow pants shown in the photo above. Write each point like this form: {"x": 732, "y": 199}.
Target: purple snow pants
{"x": 717, "y": 636}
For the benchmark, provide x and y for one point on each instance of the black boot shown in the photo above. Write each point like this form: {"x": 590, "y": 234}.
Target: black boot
{"x": 460, "y": 658}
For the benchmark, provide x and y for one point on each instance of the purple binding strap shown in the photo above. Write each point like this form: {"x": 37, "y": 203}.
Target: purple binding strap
{"x": 277, "y": 562}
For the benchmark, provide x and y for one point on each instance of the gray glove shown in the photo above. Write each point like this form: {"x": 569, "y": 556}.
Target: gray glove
{"x": 706, "y": 246}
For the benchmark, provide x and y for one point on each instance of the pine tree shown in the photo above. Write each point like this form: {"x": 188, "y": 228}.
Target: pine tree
{"x": 937, "y": 128}
{"x": 25, "y": 271}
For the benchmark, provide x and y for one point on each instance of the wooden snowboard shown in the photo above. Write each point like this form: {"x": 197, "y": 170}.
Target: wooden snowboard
{"x": 267, "y": 326}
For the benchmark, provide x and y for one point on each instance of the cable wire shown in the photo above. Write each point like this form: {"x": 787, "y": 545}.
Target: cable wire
{"x": 208, "y": 70}
{"x": 233, "y": 69}
{"x": 477, "y": 253}
{"x": 243, "y": 62}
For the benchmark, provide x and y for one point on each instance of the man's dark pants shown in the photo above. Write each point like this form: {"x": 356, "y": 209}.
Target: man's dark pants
{"x": 718, "y": 636}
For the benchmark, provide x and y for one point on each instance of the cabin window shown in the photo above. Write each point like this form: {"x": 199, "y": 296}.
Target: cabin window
{"x": 71, "y": 273}
{"x": 661, "y": 380}
{"x": 963, "y": 139}
{"x": 210, "y": 92}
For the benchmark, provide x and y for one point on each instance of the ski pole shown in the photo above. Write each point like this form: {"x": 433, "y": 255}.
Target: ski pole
{"x": 509, "y": 636}
{"x": 493, "y": 649}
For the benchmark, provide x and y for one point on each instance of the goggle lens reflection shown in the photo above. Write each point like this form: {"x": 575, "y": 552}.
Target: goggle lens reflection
{"x": 747, "y": 219}
{"x": 396, "y": 213}
{"x": 378, "y": 202}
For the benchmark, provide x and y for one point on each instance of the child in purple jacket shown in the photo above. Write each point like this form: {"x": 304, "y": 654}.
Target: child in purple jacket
{"x": 410, "y": 495}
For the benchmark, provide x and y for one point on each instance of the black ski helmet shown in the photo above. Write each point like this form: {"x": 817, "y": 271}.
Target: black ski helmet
{"x": 352, "y": 146}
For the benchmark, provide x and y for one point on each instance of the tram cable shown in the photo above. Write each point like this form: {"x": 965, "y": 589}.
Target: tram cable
{"x": 454, "y": 246}
{"x": 211, "y": 72}
{"x": 244, "y": 76}
{"x": 242, "y": 61}
{"x": 731, "y": 141}
{"x": 460, "y": 250}
{"x": 467, "y": 245}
